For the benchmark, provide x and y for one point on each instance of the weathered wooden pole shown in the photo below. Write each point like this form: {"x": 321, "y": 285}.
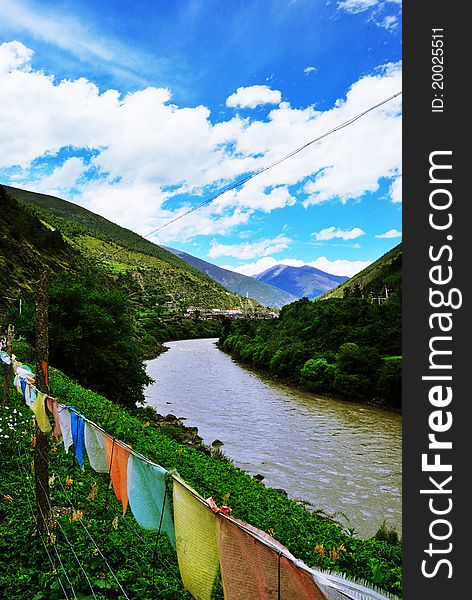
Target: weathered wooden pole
{"x": 41, "y": 454}
{"x": 9, "y": 349}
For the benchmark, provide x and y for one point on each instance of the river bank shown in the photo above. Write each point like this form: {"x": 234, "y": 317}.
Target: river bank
{"x": 340, "y": 457}
{"x": 290, "y": 382}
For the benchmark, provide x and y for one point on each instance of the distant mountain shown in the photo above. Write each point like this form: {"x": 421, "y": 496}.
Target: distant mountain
{"x": 303, "y": 282}
{"x": 266, "y": 294}
{"x": 385, "y": 272}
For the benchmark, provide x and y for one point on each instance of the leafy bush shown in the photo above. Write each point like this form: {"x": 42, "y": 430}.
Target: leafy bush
{"x": 352, "y": 386}
{"x": 389, "y": 385}
{"x": 318, "y": 374}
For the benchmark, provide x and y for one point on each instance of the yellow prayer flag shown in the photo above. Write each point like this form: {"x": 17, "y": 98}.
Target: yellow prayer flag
{"x": 40, "y": 412}
{"x": 195, "y": 533}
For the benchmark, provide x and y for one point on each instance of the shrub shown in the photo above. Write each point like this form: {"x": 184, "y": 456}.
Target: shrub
{"x": 318, "y": 374}
{"x": 389, "y": 385}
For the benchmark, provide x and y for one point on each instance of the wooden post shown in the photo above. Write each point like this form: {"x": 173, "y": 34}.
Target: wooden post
{"x": 9, "y": 349}
{"x": 41, "y": 454}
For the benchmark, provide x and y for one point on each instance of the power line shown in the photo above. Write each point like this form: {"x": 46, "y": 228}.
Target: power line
{"x": 91, "y": 538}
{"x": 72, "y": 550}
{"x": 273, "y": 164}
{"x": 25, "y": 478}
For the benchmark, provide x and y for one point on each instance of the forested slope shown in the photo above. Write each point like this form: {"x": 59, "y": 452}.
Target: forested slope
{"x": 348, "y": 346}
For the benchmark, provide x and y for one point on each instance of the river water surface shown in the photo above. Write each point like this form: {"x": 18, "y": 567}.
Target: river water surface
{"x": 340, "y": 456}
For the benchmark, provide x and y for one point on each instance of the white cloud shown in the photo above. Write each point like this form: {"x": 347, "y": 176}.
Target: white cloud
{"x": 256, "y": 196}
{"x": 147, "y": 148}
{"x": 393, "y": 233}
{"x": 332, "y": 232}
{"x": 396, "y": 190}
{"x": 14, "y": 55}
{"x": 308, "y": 70}
{"x": 358, "y": 6}
{"x": 38, "y": 116}
{"x": 375, "y": 10}
{"x": 339, "y": 267}
{"x": 144, "y": 208}
{"x": 62, "y": 178}
{"x": 253, "y": 268}
{"x": 252, "y": 96}
{"x": 334, "y": 267}
{"x": 250, "y": 250}
{"x": 389, "y": 22}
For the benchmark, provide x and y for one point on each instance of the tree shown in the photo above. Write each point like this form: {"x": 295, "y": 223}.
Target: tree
{"x": 389, "y": 385}
{"x": 318, "y": 374}
{"x": 92, "y": 337}
{"x": 357, "y": 369}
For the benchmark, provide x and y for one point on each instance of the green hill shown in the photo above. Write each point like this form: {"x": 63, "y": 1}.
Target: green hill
{"x": 384, "y": 272}
{"x": 347, "y": 342}
{"x": 112, "y": 293}
{"x": 25, "y": 244}
{"x": 153, "y": 275}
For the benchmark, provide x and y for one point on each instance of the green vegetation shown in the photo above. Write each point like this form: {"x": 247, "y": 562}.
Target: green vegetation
{"x": 93, "y": 253}
{"x": 92, "y": 336}
{"x": 385, "y": 272}
{"x": 349, "y": 347}
{"x": 26, "y": 246}
{"x": 25, "y": 571}
{"x": 109, "y": 307}
{"x": 150, "y": 273}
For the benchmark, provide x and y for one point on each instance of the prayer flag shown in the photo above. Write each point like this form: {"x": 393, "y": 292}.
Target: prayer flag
{"x": 53, "y": 408}
{"x": 40, "y": 412}
{"x": 147, "y": 496}
{"x": 77, "y": 429}
{"x": 95, "y": 444}
{"x": 64, "y": 416}
{"x": 250, "y": 568}
{"x": 117, "y": 457}
{"x": 195, "y": 533}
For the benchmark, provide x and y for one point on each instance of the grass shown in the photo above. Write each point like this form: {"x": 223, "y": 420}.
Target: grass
{"x": 25, "y": 571}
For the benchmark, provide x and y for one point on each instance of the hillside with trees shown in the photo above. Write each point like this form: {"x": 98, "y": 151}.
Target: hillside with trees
{"x": 371, "y": 282}
{"x": 348, "y": 346}
{"x": 153, "y": 275}
{"x": 110, "y": 292}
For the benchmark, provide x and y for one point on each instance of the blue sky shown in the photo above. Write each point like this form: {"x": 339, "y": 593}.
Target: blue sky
{"x": 140, "y": 110}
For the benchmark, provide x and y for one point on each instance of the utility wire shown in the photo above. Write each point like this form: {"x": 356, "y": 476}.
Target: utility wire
{"x": 25, "y": 478}
{"x": 91, "y": 538}
{"x": 273, "y": 164}
{"x": 70, "y": 544}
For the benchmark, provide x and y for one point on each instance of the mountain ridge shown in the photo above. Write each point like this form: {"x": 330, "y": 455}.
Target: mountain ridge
{"x": 266, "y": 294}
{"x": 304, "y": 281}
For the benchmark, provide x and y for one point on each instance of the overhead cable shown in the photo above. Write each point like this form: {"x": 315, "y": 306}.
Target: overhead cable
{"x": 273, "y": 164}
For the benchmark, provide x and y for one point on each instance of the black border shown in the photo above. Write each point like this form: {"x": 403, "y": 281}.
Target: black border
{"x": 424, "y": 132}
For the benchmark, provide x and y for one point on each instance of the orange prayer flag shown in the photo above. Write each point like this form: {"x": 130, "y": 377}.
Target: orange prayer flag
{"x": 117, "y": 457}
